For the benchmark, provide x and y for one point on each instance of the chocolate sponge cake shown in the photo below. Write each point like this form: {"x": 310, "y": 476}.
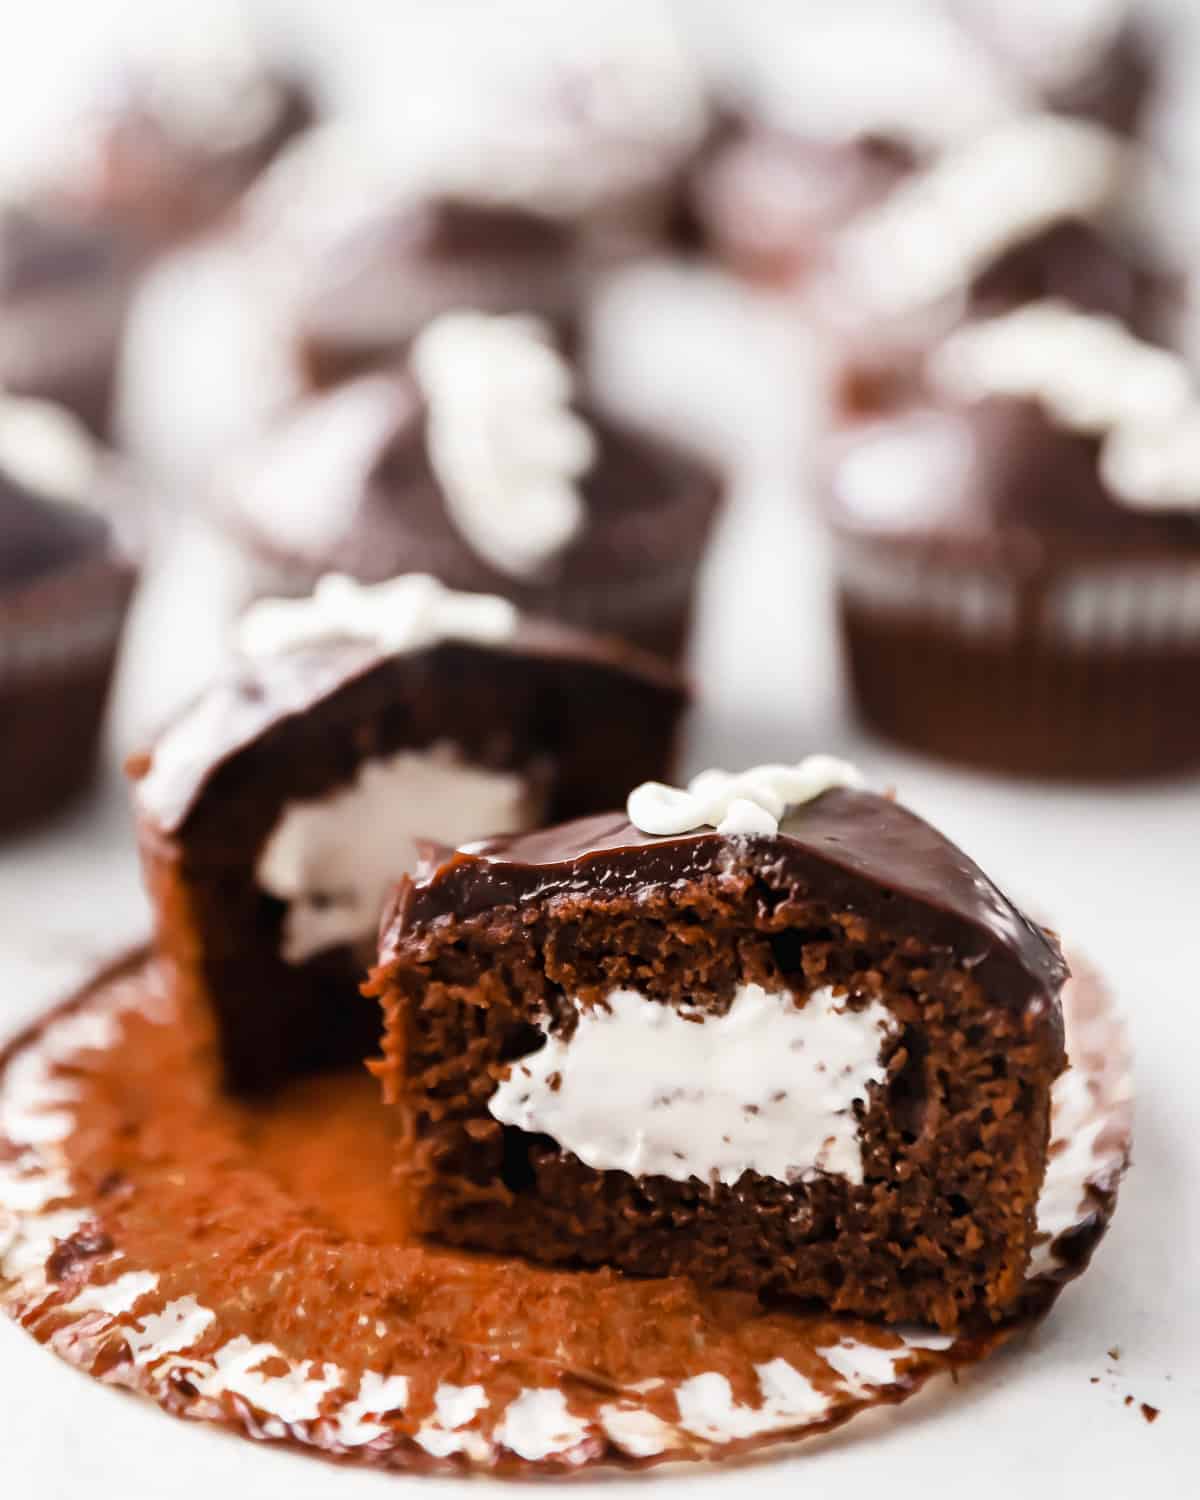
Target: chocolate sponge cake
{"x": 773, "y": 1032}
{"x": 276, "y": 812}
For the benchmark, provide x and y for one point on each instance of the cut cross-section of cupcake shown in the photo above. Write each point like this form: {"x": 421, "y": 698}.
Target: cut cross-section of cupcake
{"x": 773, "y": 1032}
{"x": 278, "y": 810}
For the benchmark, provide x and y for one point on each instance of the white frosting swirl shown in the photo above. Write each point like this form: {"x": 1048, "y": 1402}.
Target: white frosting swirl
{"x": 939, "y": 229}
{"x": 46, "y": 449}
{"x": 749, "y": 803}
{"x": 1090, "y": 375}
{"x": 504, "y": 443}
{"x": 405, "y": 614}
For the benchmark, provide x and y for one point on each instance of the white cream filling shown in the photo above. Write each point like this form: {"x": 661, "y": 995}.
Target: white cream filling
{"x": 644, "y": 1088}
{"x": 751, "y": 802}
{"x": 503, "y": 441}
{"x": 334, "y": 858}
{"x": 407, "y": 613}
{"x": 1090, "y": 375}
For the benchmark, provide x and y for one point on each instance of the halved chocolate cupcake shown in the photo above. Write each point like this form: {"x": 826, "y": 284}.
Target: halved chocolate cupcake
{"x": 474, "y": 465}
{"x": 276, "y": 811}
{"x": 65, "y": 586}
{"x": 772, "y": 1032}
{"x": 1017, "y": 545}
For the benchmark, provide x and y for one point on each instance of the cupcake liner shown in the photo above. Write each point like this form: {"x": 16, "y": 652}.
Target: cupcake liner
{"x": 59, "y": 639}
{"x": 246, "y": 1269}
{"x": 1089, "y": 670}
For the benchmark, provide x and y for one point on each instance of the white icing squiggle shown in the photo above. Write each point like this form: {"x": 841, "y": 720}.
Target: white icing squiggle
{"x": 1091, "y": 375}
{"x": 938, "y": 230}
{"x": 46, "y": 449}
{"x": 751, "y": 802}
{"x": 503, "y": 440}
{"x": 407, "y": 613}
{"x": 644, "y": 1088}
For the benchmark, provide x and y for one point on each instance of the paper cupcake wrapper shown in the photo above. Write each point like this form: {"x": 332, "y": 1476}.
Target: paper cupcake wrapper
{"x": 1121, "y": 607}
{"x": 576, "y": 1368}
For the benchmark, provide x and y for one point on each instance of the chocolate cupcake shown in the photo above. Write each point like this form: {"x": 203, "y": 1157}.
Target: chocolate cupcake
{"x": 522, "y": 202}
{"x": 66, "y": 283}
{"x": 1017, "y": 545}
{"x": 1038, "y": 206}
{"x": 833, "y": 115}
{"x": 187, "y": 122}
{"x": 65, "y": 586}
{"x": 473, "y": 464}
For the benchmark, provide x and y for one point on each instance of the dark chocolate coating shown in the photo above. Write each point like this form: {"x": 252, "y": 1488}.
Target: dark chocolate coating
{"x": 246, "y": 719}
{"x": 1026, "y": 491}
{"x": 855, "y": 850}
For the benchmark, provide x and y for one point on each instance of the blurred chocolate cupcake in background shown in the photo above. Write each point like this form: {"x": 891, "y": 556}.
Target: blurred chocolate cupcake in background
{"x": 191, "y": 112}
{"x": 1016, "y": 533}
{"x": 537, "y": 184}
{"x": 834, "y": 111}
{"x": 66, "y": 283}
{"x": 838, "y": 112}
{"x": 67, "y": 574}
{"x": 1037, "y": 206}
{"x": 474, "y": 463}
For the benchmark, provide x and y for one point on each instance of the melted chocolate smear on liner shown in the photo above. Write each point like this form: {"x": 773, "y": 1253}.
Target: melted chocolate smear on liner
{"x": 238, "y": 1266}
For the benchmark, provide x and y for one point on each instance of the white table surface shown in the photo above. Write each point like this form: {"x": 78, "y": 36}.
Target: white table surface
{"x": 1118, "y": 873}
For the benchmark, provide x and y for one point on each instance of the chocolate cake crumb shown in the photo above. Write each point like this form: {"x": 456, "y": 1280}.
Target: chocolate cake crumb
{"x": 69, "y": 1254}
{"x": 1151, "y": 1413}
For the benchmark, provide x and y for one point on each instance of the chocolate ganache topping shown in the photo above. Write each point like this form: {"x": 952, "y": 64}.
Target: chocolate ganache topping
{"x": 249, "y": 707}
{"x": 857, "y": 850}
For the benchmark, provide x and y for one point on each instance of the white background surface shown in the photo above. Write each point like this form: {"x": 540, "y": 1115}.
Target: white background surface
{"x": 1118, "y": 873}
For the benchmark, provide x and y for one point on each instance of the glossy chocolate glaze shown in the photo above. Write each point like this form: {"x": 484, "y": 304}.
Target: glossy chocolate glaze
{"x": 855, "y": 850}
{"x": 245, "y": 710}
